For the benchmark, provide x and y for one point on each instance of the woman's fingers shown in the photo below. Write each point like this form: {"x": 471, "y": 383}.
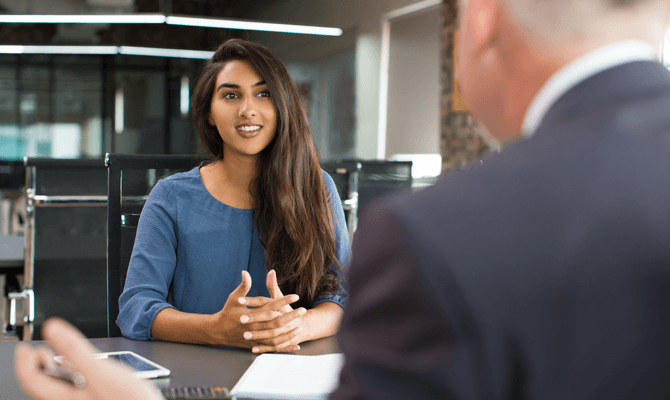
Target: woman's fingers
{"x": 255, "y": 301}
{"x": 266, "y": 332}
{"x": 264, "y": 304}
{"x": 277, "y": 331}
{"x": 289, "y": 346}
{"x": 272, "y": 285}
{"x": 270, "y": 318}
{"x": 260, "y": 316}
{"x": 243, "y": 288}
{"x": 273, "y": 288}
{"x": 275, "y": 294}
{"x": 258, "y": 302}
{"x": 272, "y": 333}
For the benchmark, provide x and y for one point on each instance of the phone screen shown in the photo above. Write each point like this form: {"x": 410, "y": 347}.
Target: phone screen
{"x": 132, "y": 361}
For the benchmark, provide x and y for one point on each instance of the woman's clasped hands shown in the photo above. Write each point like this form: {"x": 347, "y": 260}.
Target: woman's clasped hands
{"x": 265, "y": 324}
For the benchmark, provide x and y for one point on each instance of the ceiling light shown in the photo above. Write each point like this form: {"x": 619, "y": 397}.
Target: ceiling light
{"x": 70, "y": 49}
{"x": 11, "y": 49}
{"x": 170, "y": 20}
{"x": 253, "y": 26}
{"x": 126, "y": 50}
{"x": 84, "y": 19}
{"x": 157, "y": 52}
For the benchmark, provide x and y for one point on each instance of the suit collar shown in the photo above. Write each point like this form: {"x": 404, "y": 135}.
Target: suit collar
{"x": 579, "y": 70}
{"x": 606, "y": 92}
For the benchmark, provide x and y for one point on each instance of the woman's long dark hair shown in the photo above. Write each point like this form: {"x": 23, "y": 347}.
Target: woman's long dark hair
{"x": 292, "y": 209}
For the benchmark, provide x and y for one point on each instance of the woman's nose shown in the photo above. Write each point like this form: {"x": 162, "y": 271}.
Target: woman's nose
{"x": 248, "y": 108}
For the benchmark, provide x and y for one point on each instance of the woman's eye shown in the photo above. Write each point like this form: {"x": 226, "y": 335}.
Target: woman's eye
{"x": 264, "y": 93}
{"x": 229, "y": 96}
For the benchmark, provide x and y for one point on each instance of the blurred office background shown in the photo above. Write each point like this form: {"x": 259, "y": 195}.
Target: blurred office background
{"x": 70, "y": 106}
{"x": 383, "y": 89}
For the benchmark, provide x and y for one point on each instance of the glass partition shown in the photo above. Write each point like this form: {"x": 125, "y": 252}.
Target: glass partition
{"x": 82, "y": 106}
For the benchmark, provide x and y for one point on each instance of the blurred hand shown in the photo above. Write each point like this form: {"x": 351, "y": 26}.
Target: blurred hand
{"x": 105, "y": 379}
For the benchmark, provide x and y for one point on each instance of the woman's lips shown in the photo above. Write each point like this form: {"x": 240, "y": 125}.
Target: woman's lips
{"x": 249, "y": 130}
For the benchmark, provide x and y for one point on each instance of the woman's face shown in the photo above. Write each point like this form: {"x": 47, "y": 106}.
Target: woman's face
{"x": 242, "y": 110}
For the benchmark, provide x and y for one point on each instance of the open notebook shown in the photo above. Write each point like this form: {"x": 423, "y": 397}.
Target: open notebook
{"x": 288, "y": 376}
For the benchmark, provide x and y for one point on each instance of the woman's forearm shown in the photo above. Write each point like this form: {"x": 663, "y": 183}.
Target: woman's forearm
{"x": 176, "y": 326}
{"x": 322, "y": 320}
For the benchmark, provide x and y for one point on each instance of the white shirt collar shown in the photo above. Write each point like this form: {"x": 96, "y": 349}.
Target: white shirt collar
{"x": 579, "y": 70}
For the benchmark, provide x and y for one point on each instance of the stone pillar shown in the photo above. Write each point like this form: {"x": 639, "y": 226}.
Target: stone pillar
{"x": 462, "y": 140}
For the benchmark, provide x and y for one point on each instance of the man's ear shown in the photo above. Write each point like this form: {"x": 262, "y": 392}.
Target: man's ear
{"x": 484, "y": 18}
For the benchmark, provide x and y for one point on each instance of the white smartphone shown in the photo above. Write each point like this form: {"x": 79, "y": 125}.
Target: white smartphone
{"x": 142, "y": 367}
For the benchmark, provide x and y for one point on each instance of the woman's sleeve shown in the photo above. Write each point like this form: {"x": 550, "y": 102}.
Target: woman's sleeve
{"x": 152, "y": 265}
{"x": 342, "y": 243}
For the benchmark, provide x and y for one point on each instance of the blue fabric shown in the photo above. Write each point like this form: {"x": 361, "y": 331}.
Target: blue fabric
{"x": 188, "y": 238}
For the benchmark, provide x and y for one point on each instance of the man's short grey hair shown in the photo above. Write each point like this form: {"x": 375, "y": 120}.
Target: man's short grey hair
{"x": 552, "y": 23}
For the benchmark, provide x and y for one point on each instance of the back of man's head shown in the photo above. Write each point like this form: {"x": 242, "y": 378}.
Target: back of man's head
{"x": 508, "y": 49}
{"x": 559, "y": 25}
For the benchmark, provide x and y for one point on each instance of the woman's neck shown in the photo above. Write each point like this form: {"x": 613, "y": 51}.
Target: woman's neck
{"x": 238, "y": 172}
{"x": 229, "y": 180}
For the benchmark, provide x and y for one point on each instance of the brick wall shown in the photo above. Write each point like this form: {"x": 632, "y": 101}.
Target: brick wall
{"x": 461, "y": 144}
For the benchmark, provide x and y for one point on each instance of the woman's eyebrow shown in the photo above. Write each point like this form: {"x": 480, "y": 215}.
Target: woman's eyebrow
{"x": 234, "y": 86}
{"x": 228, "y": 85}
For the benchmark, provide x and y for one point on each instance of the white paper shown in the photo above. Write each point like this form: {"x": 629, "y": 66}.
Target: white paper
{"x": 288, "y": 376}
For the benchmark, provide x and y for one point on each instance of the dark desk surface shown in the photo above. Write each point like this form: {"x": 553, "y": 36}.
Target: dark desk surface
{"x": 11, "y": 254}
{"x": 190, "y": 365}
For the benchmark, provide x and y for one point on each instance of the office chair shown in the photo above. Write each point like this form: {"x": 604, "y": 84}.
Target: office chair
{"x": 345, "y": 175}
{"x": 361, "y": 182}
{"x": 380, "y": 178}
{"x": 130, "y": 179}
{"x": 64, "y": 267}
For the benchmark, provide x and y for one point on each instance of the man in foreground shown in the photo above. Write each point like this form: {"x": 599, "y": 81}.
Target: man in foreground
{"x": 544, "y": 273}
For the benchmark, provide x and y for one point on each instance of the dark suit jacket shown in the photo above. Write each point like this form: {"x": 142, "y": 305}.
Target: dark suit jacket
{"x": 542, "y": 274}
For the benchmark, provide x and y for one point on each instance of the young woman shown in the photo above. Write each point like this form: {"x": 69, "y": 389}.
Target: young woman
{"x": 262, "y": 209}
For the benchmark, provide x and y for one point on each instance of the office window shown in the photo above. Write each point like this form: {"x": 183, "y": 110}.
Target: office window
{"x": 63, "y": 106}
{"x": 34, "y": 96}
{"x": 12, "y": 146}
{"x": 50, "y": 106}
{"x": 140, "y": 97}
{"x": 77, "y": 108}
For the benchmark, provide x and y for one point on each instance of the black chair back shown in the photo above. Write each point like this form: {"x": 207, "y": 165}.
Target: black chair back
{"x": 380, "y": 178}
{"x": 12, "y": 175}
{"x": 65, "y": 268}
{"x": 130, "y": 180}
{"x": 361, "y": 182}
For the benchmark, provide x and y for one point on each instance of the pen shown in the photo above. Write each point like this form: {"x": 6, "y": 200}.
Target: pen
{"x": 64, "y": 373}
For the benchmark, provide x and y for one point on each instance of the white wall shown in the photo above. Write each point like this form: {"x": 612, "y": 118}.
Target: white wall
{"x": 361, "y": 22}
{"x": 413, "y": 121}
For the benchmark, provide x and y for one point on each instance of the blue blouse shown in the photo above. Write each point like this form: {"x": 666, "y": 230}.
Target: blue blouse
{"x": 187, "y": 238}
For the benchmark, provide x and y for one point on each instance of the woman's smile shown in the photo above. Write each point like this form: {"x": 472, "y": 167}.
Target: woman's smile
{"x": 249, "y": 130}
